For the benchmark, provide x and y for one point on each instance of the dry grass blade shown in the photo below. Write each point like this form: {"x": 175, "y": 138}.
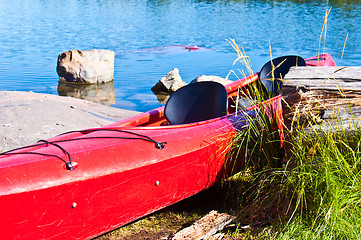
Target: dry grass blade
{"x": 241, "y": 57}
{"x": 323, "y": 31}
{"x": 344, "y": 45}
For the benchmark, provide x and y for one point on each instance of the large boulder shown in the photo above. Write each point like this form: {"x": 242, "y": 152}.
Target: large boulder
{"x": 169, "y": 83}
{"x": 212, "y": 78}
{"x": 86, "y": 67}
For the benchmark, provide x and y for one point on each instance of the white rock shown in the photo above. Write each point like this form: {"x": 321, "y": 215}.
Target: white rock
{"x": 170, "y": 82}
{"x": 212, "y": 78}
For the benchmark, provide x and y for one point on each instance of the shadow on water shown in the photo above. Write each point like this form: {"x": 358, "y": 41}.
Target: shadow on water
{"x": 99, "y": 93}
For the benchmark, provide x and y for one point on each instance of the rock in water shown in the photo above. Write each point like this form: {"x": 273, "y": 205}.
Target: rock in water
{"x": 86, "y": 67}
{"x": 169, "y": 83}
{"x": 212, "y": 78}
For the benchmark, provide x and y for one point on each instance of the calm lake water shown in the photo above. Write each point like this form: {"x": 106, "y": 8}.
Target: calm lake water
{"x": 34, "y": 32}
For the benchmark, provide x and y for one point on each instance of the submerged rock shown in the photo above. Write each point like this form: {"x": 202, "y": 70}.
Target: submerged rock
{"x": 86, "y": 67}
{"x": 162, "y": 97}
{"x": 169, "y": 83}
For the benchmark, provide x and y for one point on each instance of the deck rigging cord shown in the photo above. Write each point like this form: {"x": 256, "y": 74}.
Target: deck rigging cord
{"x": 69, "y": 163}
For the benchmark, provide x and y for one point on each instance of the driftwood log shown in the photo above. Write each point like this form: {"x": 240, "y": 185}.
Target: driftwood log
{"x": 328, "y": 97}
{"x": 205, "y": 228}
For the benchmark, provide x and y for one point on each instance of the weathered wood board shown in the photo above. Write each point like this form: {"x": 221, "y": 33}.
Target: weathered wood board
{"x": 327, "y": 78}
{"x": 331, "y": 96}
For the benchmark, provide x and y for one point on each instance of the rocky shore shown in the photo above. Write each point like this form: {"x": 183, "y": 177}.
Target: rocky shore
{"x": 27, "y": 117}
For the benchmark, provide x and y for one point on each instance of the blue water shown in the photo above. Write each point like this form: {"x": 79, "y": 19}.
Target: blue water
{"x": 34, "y": 32}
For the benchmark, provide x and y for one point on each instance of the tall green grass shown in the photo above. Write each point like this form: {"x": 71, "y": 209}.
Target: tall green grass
{"x": 325, "y": 182}
{"x": 309, "y": 188}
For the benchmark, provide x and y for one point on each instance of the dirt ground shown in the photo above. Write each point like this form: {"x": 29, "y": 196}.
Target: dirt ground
{"x": 162, "y": 224}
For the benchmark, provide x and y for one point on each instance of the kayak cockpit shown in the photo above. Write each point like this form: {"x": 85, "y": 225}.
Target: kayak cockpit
{"x": 197, "y": 102}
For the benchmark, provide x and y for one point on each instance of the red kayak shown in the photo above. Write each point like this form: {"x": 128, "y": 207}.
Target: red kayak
{"x": 81, "y": 184}
{"x": 321, "y": 60}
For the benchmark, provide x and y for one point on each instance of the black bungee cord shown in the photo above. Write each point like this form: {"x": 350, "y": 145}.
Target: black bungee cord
{"x": 69, "y": 164}
{"x": 158, "y": 145}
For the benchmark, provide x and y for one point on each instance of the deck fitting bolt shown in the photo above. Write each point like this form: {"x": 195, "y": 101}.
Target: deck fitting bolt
{"x": 157, "y": 183}
{"x": 74, "y": 205}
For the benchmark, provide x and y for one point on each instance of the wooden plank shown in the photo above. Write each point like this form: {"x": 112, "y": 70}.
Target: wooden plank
{"x": 327, "y": 78}
{"x": 330, "y": 96}
{"x": 205, "y": 227}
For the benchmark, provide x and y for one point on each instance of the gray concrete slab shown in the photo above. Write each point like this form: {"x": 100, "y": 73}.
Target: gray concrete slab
{"x": 27, "y": 117}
